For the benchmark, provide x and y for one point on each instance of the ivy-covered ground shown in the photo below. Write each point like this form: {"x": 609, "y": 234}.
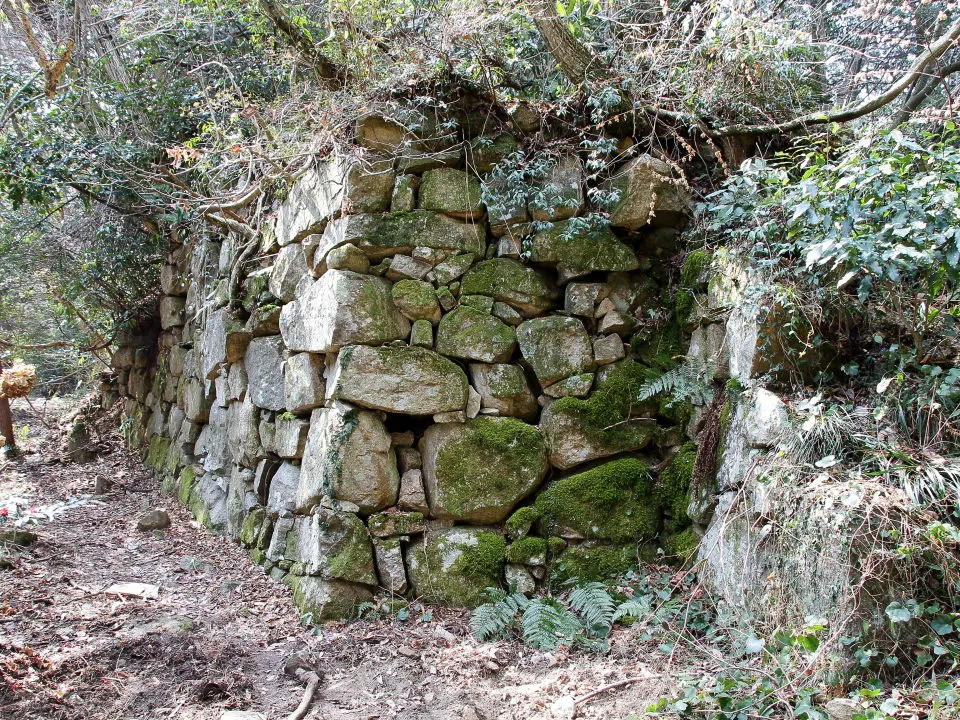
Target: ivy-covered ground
{"x": 218, "y": 634}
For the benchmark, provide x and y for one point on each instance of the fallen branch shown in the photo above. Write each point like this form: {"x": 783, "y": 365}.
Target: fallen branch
{"x": 313, "y": 682}
{"x": 578, "y": 702}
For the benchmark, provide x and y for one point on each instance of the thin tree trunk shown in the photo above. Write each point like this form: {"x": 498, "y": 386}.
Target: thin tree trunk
{"x": 6, "y": 424}
{"x": 575, "y": 60}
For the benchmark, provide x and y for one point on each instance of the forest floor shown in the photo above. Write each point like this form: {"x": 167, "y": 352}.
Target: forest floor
{"x": 217, "y": 635}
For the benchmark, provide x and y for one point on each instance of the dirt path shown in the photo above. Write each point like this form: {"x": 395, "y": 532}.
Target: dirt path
{"x": 218, "y": 633}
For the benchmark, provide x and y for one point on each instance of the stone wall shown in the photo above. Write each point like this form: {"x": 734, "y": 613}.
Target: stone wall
{"x": 415, "y": 393}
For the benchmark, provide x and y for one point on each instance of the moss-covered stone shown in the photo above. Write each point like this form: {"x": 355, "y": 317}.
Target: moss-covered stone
{"x": 392, "y": 524}
{"x": 479, "y": 470}
{"x": 661, "y": 349}
{"x": 187, "y": 479}
{"x": 682, "y": 545}
{"x": 454, "y": 566}
{"x": 250, "y": 529}
{"x": 157, "y": 453}
{"x": 416, "y": 300}
{"x": 613, "y": 501}
{"x": 519, "y": 524}
{"x": 450, "y": 191}
{"x": 473, "y": 334}
{"x": 593, "y": 563}
{"x": 673, "y": 487}
{"x": 510, "y": 282}
{"x": 693, "y": 279}
{"x": 485, "y": 152}
{"x": 320, "y": 600}
{"x": 555, "y": 348}
{"x": 575, "y": 245}
{"x": 527, "y": 551}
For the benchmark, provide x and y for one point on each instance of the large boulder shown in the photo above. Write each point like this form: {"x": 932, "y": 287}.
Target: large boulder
{"x": 478, "y": 471}
{"x": 649, "y": 194}
{"x": 614, "y": 502}
{"x": 288, "y": 270}
{"x": 333, "y": 545}
{"x": 454, "y": 566}
{"x": 508, "y": 281}
{"x": 504, "y": 388}
{"x": 556, "y": 348}
{"x": 263, "y": 364}
{"x": 381, "y": 236}
{"x": 408, "y": 380}
{"x": 223, "y": 339}
{"x": 303, "y": 385}
{"x": 472, "y": 334}
{"x": 321, "y": 600}
{"x": 348, "y": 457}
{"x": 576, "y": 246}
{"x": 452, "y": 192}
{"x": 342, "y": 308}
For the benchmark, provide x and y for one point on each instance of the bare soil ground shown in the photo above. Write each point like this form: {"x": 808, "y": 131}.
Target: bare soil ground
{"x": 217, "y": 636}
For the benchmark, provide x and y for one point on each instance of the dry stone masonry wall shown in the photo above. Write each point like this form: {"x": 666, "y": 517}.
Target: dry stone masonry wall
{"x": 416, "y": 393}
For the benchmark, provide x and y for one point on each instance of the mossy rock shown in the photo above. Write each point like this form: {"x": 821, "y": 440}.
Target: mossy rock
{"x": 613, "y": 501}
{"x": 250, "y": 528}
{"x": 575, "y": 245}
{"x": 450, "y": 191}
{"x": 483, "y": 153}
{"x": 673, "y": 487}
{"x": 478, "y": 471}
{"x": 416, "y": 300}
{"x": 392, "y": 524}
{"x": 508, "y": 281}
{"x": 593, "y": 563}
{"x": 610, "y": 421}
{"x": 682, "y": 545}
{"x": 527, "y": 551}
{"x": 472, "y": 334}
{"x": 520, "y": 523}
{"x": 454, "y": 566}
{"x": 332, "y": 545}
{"x": 157, "y": 454}
{"x": 663, "y": 349}
{"x": 321, "y": 600}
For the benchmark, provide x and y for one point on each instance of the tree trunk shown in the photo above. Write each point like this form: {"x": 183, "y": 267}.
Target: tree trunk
{"x": 9, "y": 447}
{"x": 575, "y": 61}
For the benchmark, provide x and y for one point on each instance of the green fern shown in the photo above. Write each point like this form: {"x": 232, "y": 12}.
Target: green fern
{"x": 689, "y": 381}
{"x": 634, "y": 609}
{"x": 594, "y": 604}
{"x": 548, "y": 624}
{"x": 497, "y": 619}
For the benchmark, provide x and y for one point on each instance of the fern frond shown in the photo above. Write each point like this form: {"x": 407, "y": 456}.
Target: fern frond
{"x": 688, "y": 381}
{"x": 547, "y": 624}
{"x": 497, "y": 619}
{"x": 635, "y": 608}
{"x": 594, "y": 604}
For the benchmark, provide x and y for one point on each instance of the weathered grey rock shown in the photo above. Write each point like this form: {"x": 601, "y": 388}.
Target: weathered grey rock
{"x": 236, "y": 381}
{"x": 560, "y": 193}
{"x": 582, "y": 298}
{"x": 767, "y": 422}
{"x": 709, "y": 349}
{"x": 263, "y": 363}
{"x": 416, "y": 300}
{"x": 483, "y": 153}
{"x": 841, "y": 709}
{"x": 509, "y": 215}
{"x": 452, "y": 192}
{"x": 556, "y": 348}
{"x": 408, "y": 458}
{"x": 454, "y": 566}
{"x": 519, "y": 579}
{"x": 478, "y": 471}
{"x": 505, "y": 389}
{"x": 412, "y": 495}
{"x": 323, "y": 600}
{"x": 282, "y": 497}
{"x": 382, "y": 236}
{"x": 452, "y": 416}
{"x": 396, "y": 524}
{"x": 172, "y": 281}
{"x": 404, "y": 197}
{"x": 262, "y": 475}
{"x": 504, "y": 312}
{"x": 263, "y": 320}
{"x": 616, "y": 322}
{"x": 243, "y": 432}
{"x": 155, "y": 519}
{"x": 403, "y": 439}
{"x": 348, "y": 457}
{"x": 303, "y": 384}
{"x": 382, "y": 134}
{"x": 472, "y": 334}
{"x": 447, "y": 301}
{"x": 452, "y": 268}
{"x": 212, "y": 443}
{"x": 576, "y": 386}
{"x": 422, "y": 334}
{"x": 268, "y": 436}
{"x": 510, "y": 282}
{"x": 291, "y": 437}
{"x": 608, "y": 349}
{"x": 288, "y": 270}
{"x": 474, "y": 403}
{"x": 407, "y": 380}
{"x": 571, "y": 440}
{"x": 342, "y": 308}
{"x": 404, "y": 267}
{"x": 575, "y": 246}
{"x": 198, "y": 398}
{"x": 311, "y": 202}
{"x": 347, "y": 257}
{"x": 172, "y": 311}
{"x": 224, "y": 339}
{"x": 368, "y": 186}
{"x": 334, "y": 545}
{"x": 390, "y": 568}
{"x": 649, "y": 194}
{"x": 478, "y": 302}
{"x": 176, "y": 359}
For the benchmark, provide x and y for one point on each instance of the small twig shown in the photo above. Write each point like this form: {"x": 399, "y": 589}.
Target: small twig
{"x": 583, "y": 699}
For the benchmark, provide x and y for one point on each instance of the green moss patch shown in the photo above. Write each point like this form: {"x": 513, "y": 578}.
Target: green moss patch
{"x": 527, "y": 551}
{"x": 521, "y": 521}
{"x": 672, "y": 490}
{"x": 593, "y": 563}
{"x": 613, "y": 501}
